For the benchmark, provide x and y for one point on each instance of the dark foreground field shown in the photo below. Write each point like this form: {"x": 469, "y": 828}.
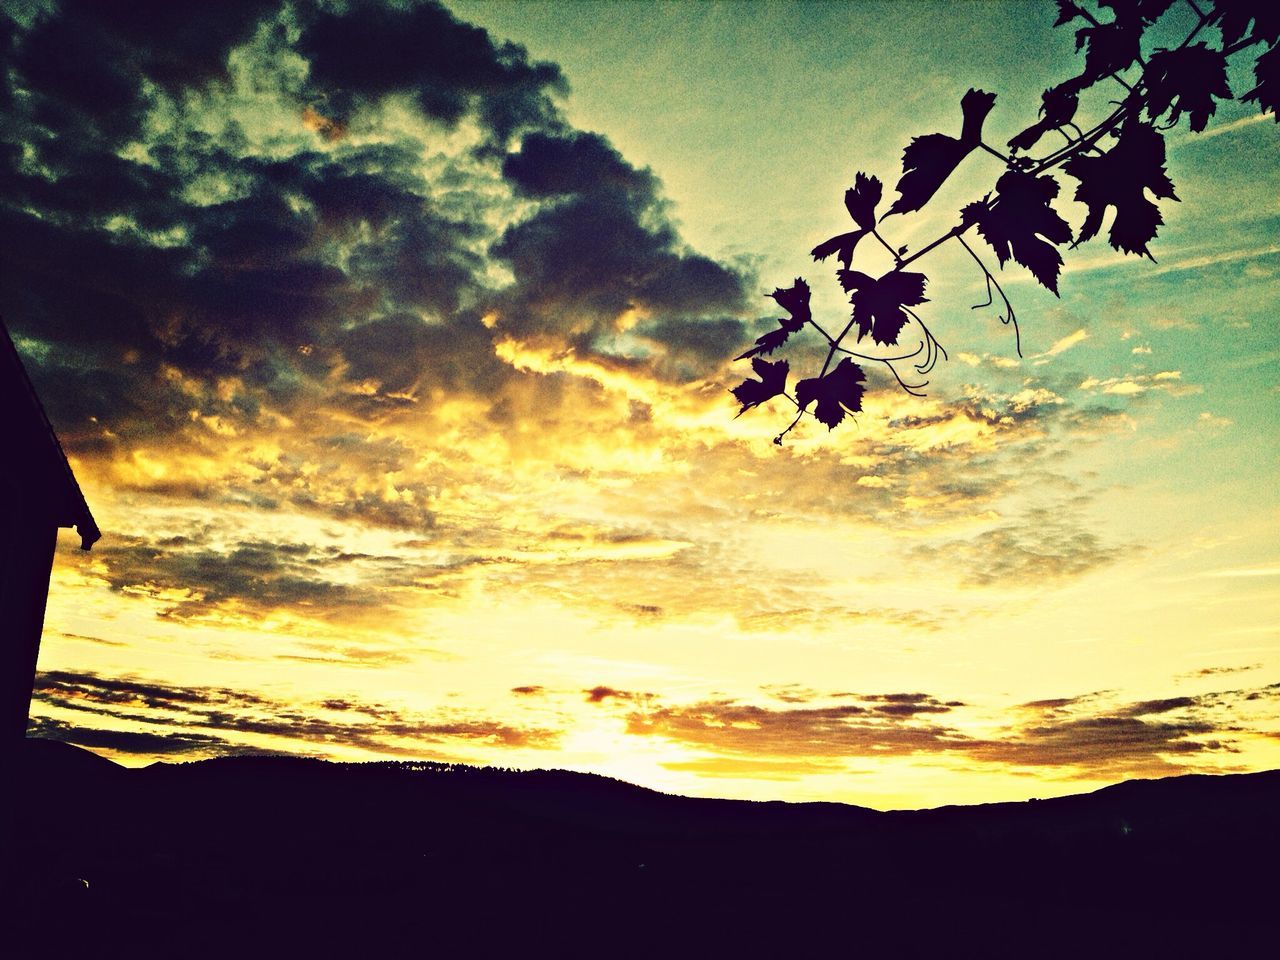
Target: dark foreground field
{"x": 294, "y": 858}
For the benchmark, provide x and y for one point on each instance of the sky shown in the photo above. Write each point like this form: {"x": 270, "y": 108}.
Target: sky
{"x": 392, "y": 344}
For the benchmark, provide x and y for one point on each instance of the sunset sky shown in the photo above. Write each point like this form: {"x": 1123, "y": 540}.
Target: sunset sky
{"x": 391, "y": 346}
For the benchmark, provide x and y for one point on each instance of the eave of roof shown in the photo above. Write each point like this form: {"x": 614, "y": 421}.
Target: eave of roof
{"x": 75, "y": 511}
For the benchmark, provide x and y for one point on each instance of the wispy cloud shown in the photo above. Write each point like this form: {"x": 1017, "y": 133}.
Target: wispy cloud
{"x": 1262, "y": 570}
{"x": 1064, "y": 344}
{"x": 217, "y": 720}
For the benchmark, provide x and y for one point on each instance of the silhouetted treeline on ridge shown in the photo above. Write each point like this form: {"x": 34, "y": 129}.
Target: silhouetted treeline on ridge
{"x": 288, "y": 856}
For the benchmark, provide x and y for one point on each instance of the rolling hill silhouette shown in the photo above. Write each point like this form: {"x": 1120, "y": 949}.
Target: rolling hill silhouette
{"x": 290, "y": 856}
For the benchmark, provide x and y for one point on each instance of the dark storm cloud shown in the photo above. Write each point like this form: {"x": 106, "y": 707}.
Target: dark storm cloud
{"x": 450, "y": 68}
{"x": 401, "y": 352}
{"x": 200, "y": 251}
{"x": 601, "y": 245}
{"x": 190, "y": 711}
{"x": 549, "y": 166}
{"x": 690, "y": 348}
{"x": 85, "y": 64}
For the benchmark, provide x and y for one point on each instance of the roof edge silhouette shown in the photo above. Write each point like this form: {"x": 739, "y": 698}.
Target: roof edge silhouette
{"x": 73, "y": 510}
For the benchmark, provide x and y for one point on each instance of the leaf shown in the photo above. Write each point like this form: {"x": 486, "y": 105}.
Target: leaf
{"x": 836, "y": 392}
{"x": 1234, "y": 17}
{"x": 929, "y": 160}
{"x": 1057, "y": 108}
{"x": 1119, "y": 178}
{"x": 1067, "y": 11}
{"x": 860, "y": 200}
{"x": 795, "y": 300}
{"x": 1186, "y": 79}
{"x": 773, "y": 381}
{"x": 1113, "y": 47}
{"x": 1148, "y": 11}
{"x": 1267, "y": 93}
{"x": 842, "y": 243}
{"x": 767, "y": 342}
{"x": 878, "y": 303}
{"x": 1109, "y": 48}
{"x": 972, "y": 213}
{"x": 1020, "y": 217}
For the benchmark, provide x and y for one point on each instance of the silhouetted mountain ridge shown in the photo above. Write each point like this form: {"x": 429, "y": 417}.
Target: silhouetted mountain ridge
{"x": 303, "y": 854}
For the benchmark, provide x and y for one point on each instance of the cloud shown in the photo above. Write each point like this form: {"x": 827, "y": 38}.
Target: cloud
{"x": 215, "y": 720}
{"x": 1148, "y": 707}
{"x": 1046, "y": 544}
{"x": 1168, "y": 381}
{"x": 1219, "y": 671}
{"x": 600, "y": 693}
{"x": 746, "y": 768}
{"x": 782, "y": 619}
{"x": 841, "y": 730}
{"x": 1087, "y": 736}
{"x": 449, "y": 68}
{"x": 599, "y": 250}
{"x": 244, "y": 267}
{"x": 1065, "y": 344}
{"x": 140, "y": 742}
{"x": 196, "y": 577}
{"x": 1261, "y": 570}
{"x": 561, "y": 165}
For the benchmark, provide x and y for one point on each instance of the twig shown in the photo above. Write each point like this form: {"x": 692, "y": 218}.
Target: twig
{"x": 994, "y": 152}
{"x": 897, "y": 257}
{"x": 953, "y": 232}
{"x": 991, "y": 280}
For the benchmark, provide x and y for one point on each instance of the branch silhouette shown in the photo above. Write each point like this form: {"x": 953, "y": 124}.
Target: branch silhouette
{"x": 1017, "y": 220}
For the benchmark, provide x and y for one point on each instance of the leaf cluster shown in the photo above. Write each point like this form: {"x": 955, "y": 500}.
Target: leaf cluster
{"x": 1117, "y": 165}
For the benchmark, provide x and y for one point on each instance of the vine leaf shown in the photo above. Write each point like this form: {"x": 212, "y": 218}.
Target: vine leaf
{"x": 878, "y": 303}
{"x": 1186, "y": 79}
{"x": 1267, "y": 93}
{"x": 1113, "y": 47}
{"x": 1020, "y": 223}
{"x": 1057, "y": 108}
{"x": 929, "y": 160}
{"x": 860, "y": 200}
{"x": 836, "y": 392}
{"x": 1119, "y": 178}
{"x": 1148, "y": 11}
{"x": 1234, "y": 16}
{"x": 773, "y": 381}
{"x": 1109, "y": 48}
{"x": 1067, "y": 11}
{"x": 795, "y": 300}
